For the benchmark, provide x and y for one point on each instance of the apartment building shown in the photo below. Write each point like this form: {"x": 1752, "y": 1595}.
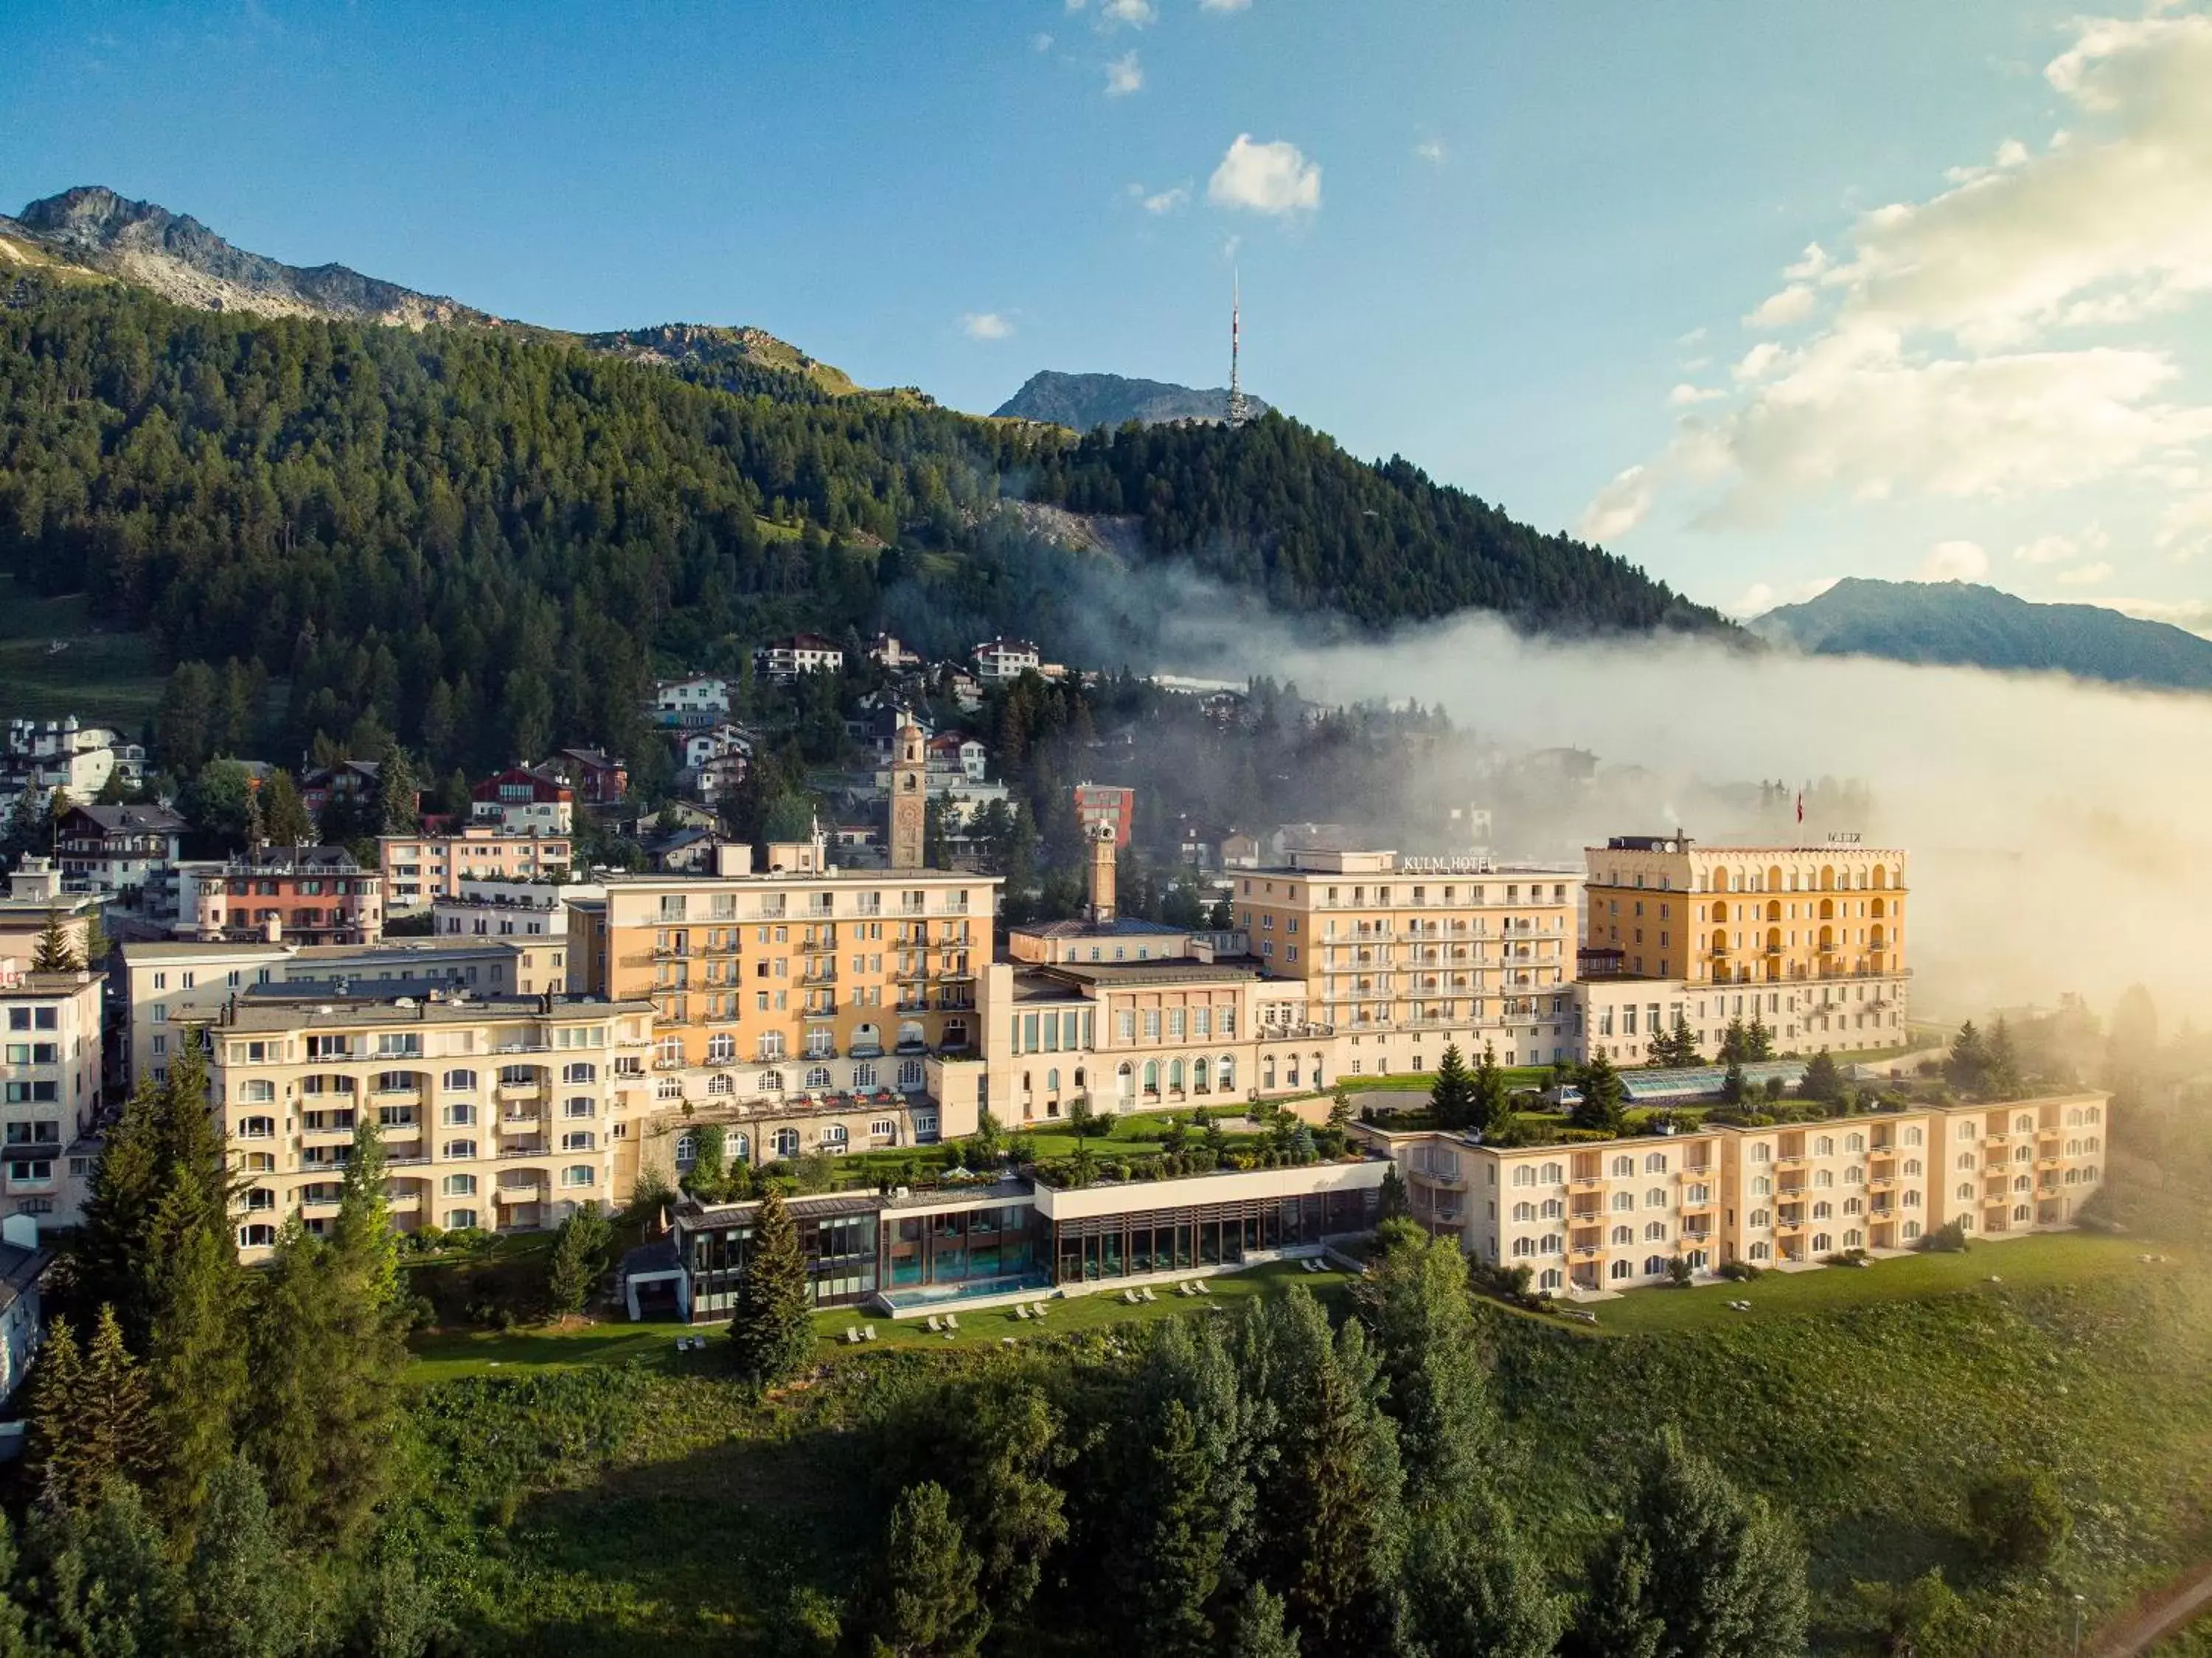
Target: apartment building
{"x": 702, "y": 699}
{"x": 797, "y": 979}
{"x": 42, "y": 756}
{"x": 35, "y": 897}
{"x": 168, "y": 987}
{"x": 785, "y": 660}
{"x": 1400, "y": 956}
{"x": 1609, "y": 1215}
{"x": 50, "y": 1074}
{"x": 1001, "y": 661}
{"x": 530, "y": 915}
{"x": 1810, "y": 938}
{"x": 420, "y": 869}
{"x": 500, "y": 1113}
{"x": 311, "y": 894}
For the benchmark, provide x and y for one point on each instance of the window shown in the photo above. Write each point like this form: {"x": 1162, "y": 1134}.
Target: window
{"x": 1524, "y": 1212}
{"x": 1524, "y": 1175}
{"x": 1624, "y": 1234}
{"x": 1655, "y": 1163}
{"x": 1623, "y": 1200}
{"x": 461, "y": 1082}
{"x": 1759, "y": 1217}
{"x": 1655, "y": 1231}
{"x": 1552, "y": 1209}
{"x": 459, "y": 1186}
{"x": 259, "y": 1235}
{"x": 257, "y": 1090}
{"x": 1623, "y": 1166}
{"x": 459, "y": 1150}
{"x": 1620, "y": 1269}
{"x": 1655, "y": 1198}
{"x": 460, "y": 1220}
{"x": 579, "y": 1140}
{"x": 786, "y": 1142}
{"x": 256, "y": 1128}
{"x": 834, "y": 1137}
{"x": 817, "y": 1077}
{"x": 580, "y": 1071}
{"x": 576, "y": 1174}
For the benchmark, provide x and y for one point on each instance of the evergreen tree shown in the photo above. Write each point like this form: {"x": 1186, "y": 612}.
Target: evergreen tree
{"x": 111, "y": 1584}
{"x": 396, "y": 812}
{"x": 1493, "y": 1097}
{"x": 1261, "y": 1631}
{"x": 56, "y": 951}
{"x": 1614, "y": 1619}
{"x": 195, "y": 1351}
{"x": 359, "y": 1407}
{"x": 2002, "y": 1075}
{"x": 16, "y": 1638}
{"x": 1735, "y": 1042}
{"x": 772, "y": 1328}
{"x": 1600, "y": 1107}
{"x": 54, "y": 1454}
{"x": 1822, "y": 1080}
{"x": 285, "y": 817}
{"x": 578, "y": 1258}
{"x": 1967, "y": 1065}
{"x": 1414, "y": 1302}
{"x": 1675, "y": 1046}
{"x": 1735, "y": 1088}
{"x": 243, "y": 1598}
{"x": 1192, "y": 1444}
{"x": 1451, "y": 1095}
{"x": 1473, "y": 1589}
{"x": 1329, "y": 1506}
{"x": 1720, "y": 1575}
{"x": 111, "y": 1250}
{"x": 1757, "y": 1038}
{"x": 925, "y": 1602}
{"x": 1339, "y": 1108}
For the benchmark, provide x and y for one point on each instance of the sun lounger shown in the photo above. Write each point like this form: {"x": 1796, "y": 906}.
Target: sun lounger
{"x": 952, "y": 1320}
{"x": 1149, "y": 1296}
{"x": 934, "y": 1327}
{"x": 868, "y": 1332}
{"x": 852, "y": 1335}
{"x": 1199, "y": 1284}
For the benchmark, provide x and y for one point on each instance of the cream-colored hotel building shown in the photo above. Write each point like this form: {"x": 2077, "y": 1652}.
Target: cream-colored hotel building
{"x": 1609, "y": 1215}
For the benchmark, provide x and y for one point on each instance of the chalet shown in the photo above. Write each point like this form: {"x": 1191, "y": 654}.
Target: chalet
{"x": 111, "y": 848}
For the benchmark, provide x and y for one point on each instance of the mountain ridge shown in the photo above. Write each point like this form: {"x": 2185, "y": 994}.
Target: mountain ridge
{"x": 1083, "y": 401}
{"x": 1966, "y": 624}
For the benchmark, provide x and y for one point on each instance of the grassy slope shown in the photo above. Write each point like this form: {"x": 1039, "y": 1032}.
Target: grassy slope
{"x": 105, "y": 677}
{"x": 660, "y": 1506}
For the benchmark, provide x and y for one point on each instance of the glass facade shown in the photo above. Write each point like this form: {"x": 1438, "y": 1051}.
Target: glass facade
{"x": 955, "y": 1248}
{"x": 840, "y": 1251}
{"x": 1100, "y": 1247}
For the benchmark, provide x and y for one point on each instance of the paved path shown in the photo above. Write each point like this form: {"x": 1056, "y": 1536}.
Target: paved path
{"x": 2167, "y": 1612}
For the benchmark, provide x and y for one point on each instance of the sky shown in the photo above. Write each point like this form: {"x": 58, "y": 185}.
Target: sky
{"x": 1757, "y": 297}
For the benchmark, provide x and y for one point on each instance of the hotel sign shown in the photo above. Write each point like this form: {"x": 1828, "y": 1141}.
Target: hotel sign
{"x": 1843, "y": 837}
{"x": 1444, "y": 866}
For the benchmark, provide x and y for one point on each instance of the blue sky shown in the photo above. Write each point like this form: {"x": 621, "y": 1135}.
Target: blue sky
{"x": 1495, "y": 238}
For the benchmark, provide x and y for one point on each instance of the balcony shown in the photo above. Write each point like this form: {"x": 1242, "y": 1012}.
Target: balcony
{"x": 511, "y": 1121}
{"x": 327, "y": 1132}
{"x": 1439, "y": 1179}
{"x": 509, "y": 1155}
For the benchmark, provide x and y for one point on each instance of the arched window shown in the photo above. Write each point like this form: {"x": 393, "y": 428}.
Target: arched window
{"x": 1912, "y": 1136}
{"x": 687, "y": 1149}
{"x": 909, "y": 1075}
{"x": 1912, "y": 1227}
{"x": 1201, "y": 1076}
{"x": 461, "y": 1185}
{"x": 1655, "y": 1231}
{"x": 1655, "y": 1198}
{"x": 771, "y": 1082}
{"x": 1623, "y": 1200}
{"x": 1825, "y": 1146}
{"x": 1759, "y": 1252}
{"x": 1624, "y": 1234}
{"x": 1549, "y": 1279}
{"x": 1854, "y": 1205}
{"x": 1824, "y": 1177}
{"x": 461, "y": 1082}
{"x": 1152, "y": 1076}
{"x": 1655, "y": 1162}
{"x": 1228, "y": 1074}
{"x": 721, "y": 1048}
{"x": 1762, "y": 1153}
{"x": 1821, "y": 1243}
{"x": 817, "y": 1077}
{"x": 1623, "y": 1166}
{"x": 1551, "y": 1174}
{"x": 1912, "y": 1166}
{"x": 721, "y": 1082}
{"x": 1759, "y": 1217}
{"x": 833, "y": 1137}
{"x": 459, "y": 1150}
{"x": 1175, "y": 1075}
{"x": 1553, "y": 1209}
{"x": 1654, "y": 1265}
{"x": 1524, "y": 1246}
{"x": 1524, "y": 1175}
{"x": 786, "y": 1142}
{"x": 1620, "y": 1269}
{"x": 1822, "y": 1211}
{"x": 1524, "y": 1212}
{"x": 581, "y": 1070}
{"x": 741, "y": 1147}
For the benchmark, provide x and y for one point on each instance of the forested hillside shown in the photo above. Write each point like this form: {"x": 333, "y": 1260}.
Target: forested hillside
{"x": 488, "y": 540}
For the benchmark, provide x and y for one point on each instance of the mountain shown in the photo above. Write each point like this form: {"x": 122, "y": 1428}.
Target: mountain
{"x": 1080, "y": 402}
{"x": 1958, "y": 622}
{"x": 92, "y": 232}
{"x": 186, "y": 263}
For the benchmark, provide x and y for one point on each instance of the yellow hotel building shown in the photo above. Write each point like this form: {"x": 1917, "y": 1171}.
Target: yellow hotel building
{"x": 798, "y": 980}
{"x": 1400, "y": 956}
{"x": 1811, "y": 939}
{"x": 1607, "y": 1216}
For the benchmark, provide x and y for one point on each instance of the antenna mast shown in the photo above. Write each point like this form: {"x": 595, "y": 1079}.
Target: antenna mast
{"x": 1238, "y": 414}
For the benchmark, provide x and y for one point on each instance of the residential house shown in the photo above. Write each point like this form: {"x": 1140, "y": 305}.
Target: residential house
{"x": 701, "y": 700}
{"x": 1001, "y": 661}
{"x": 785, "y": 660}
{"x": 114, "y": 849}
{"x": 313, "y": 894}
{"x": 601, "y": 779}
{"x": 524, "y": 800}
{"x": 44, "y": 755}
{"x": 419, "y": 870}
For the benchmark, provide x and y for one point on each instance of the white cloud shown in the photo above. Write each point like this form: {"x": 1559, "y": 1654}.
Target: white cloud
{"x": 2047, "y": 550}
{"x": 1223, "y": 5}
{"x": 1760, "y": 596}
{"x": 1792, "y": 305}
{"x": 1619, "y": 508}
{"x": 2086, "y": 575}
{"x": 1124, "y": 76}
{"x": 986, "y": 324}
{"x": 1040, "y": 41}
{"x": 1954, "y": 561}
{"x": 2184, "y": 529}
{"x": 1266, "y": 178}
{"x": 1431, "y": 150}
{"x": 1168, "y": 201}
{"x": 1685, "y": 395}
{"x": 2194, "y": 614}
{"x": 1137, "y": 14}
{"x": 1954, "y": 351}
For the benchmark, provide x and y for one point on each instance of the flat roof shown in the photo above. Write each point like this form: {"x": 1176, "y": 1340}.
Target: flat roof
{"x": 308, "y": 1009}
{"x": 1171, "y": 970}
{"x": 1119, "y": 927}
{"x": 165, "y": 951}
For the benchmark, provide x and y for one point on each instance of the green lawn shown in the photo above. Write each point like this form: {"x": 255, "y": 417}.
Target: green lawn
{"x": 104, "y": 678}
{"x": 446, "y": 1356}
{"x": 1421, "y": 1081}
{"x": 2029, "y": 1263}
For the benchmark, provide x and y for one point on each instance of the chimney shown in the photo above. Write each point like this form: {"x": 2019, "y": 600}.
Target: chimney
{"x": 1100, "y": 911}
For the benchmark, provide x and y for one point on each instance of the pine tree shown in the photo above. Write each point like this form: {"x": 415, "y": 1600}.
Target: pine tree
{"x": 290, "y": 1346}
{"x": 1451, "y": 1095}
{"x": 579, "y": 1257}
{"x": 284, "y": 817}
{"x": 1329, "y": 1507}
{"x": 114, "y": 1405}
{"x": 1735, "y": 1042}
{"x": 1261, "y": 1631}
{"x": 196, "y": 1348}
{"x": 2003, "y": 1073}
{"x": 112, "y": 1583}
{"x": 1414, "y": 1302}
{"x": 1493, "y": 1100}
{"x": 1822, "y": 1080}
{"x": 357, "y": 1431}
{"x": 1757, "y": 1038}
{"x": 1339, "y": 1108}
{"x": 1614, "y": 1620}
{"x": 1676, "y": 1046}
{"x": 1600, "y": 1107}
{"x": 1722, "y": 1575}
{"x": 1735, "y": 1088}
{"x": 56, "y": 951}
{"x": 1968, "y": 1066}
{"x": 772, "y": 1328}
{"x": 925, "y": 1602}
{"x": 1473, "y": 1589}
{"x": 54, "y": 1452}
{"x": 243, "y": 1597}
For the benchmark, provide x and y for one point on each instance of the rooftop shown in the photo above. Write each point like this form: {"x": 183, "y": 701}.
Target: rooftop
{"x": 1119, "y": 927}
{"x": 305, "y": 1010}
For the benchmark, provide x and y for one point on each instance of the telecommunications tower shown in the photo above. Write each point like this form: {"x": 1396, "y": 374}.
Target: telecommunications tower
{"x": 1238, "y": 414}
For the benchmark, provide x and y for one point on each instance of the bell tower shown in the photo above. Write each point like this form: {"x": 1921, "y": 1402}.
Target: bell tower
{"x": 1099, "y": 911}
{"x": 909, "y": 794}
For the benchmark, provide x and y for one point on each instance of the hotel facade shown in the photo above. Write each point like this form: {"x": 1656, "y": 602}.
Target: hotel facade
{"x": 1610, "y": 1215}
